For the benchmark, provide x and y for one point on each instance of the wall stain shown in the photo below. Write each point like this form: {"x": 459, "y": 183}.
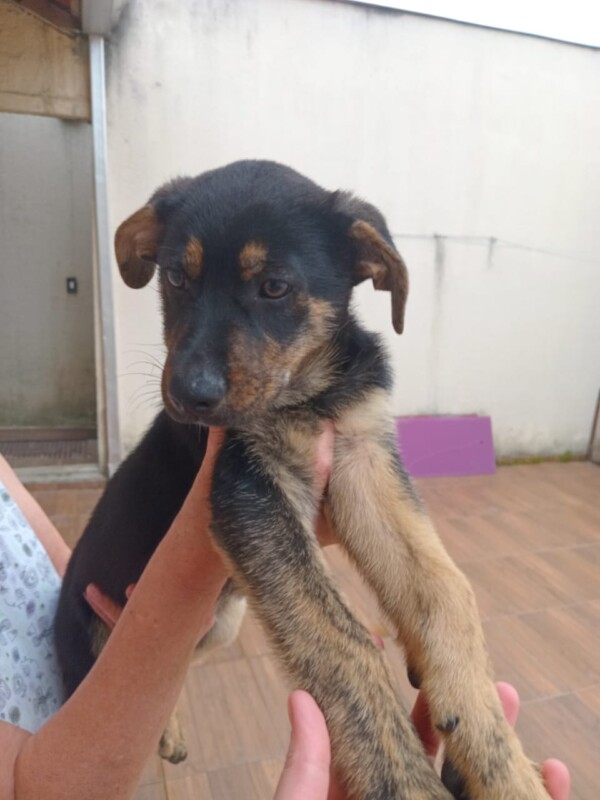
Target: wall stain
{"x": 439, "y": 274}
{"x": 491, "y": 251}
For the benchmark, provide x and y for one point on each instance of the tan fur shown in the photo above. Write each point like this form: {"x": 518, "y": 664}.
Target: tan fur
{"x": 271, "y": 546}
{"x": 395, "y": 547}
{"x": 253, "y": 259}
{"x": 172, "y": 745}
{"x": 99, "y": 636}
{"x": 136, "y": 241}
{"x": 230, "y": 615}
{"x": 192, "y": 258}
{"x": 321, "y": 645}
{"x": 378, "y": 261}
{"x": 259, "y": 372}
{"x": 384, "y": 529}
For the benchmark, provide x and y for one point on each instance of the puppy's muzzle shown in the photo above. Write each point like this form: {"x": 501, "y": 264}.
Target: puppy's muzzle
{"x": 195, "y": 396}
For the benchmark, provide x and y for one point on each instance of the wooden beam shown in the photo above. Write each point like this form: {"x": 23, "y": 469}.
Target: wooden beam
{"x": 65, "y": 14}
{"x": 42, "y": 70}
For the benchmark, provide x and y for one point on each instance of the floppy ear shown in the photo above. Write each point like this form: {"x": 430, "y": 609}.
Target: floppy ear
{"x": 138, "y": 238}
{"x": 375, "y": 256}
{"x": 136, "y": 244}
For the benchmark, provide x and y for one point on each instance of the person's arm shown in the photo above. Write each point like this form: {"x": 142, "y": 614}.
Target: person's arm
{"x": 96, "y": 745}
{"x": 52, "y": 541}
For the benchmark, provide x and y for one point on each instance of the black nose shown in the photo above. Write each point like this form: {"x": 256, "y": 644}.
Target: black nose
{"x": 197, "y": 393}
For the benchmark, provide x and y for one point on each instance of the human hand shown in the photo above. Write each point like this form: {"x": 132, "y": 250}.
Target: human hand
{"x": 197, "y": 506}
{"x": 106, "y": 608}
{"x": 307, "y": 770}
{"x": 110, "y": 611}
{"x": 323, "y": 463}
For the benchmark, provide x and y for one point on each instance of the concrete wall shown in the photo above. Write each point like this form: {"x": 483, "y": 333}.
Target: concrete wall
{"x": 481, "y": 148}
{"x": 47, "y": 374}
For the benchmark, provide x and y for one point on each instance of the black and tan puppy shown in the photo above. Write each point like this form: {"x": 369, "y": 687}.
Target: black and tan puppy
{"x": 257, "y": 265}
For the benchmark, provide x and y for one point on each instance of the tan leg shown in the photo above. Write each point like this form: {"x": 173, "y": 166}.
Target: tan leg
{"x": 231, "y": 609}
{"x": 394, "y": 545}
{"x": 172, "y": 745}
{"x": 268, "y": 535}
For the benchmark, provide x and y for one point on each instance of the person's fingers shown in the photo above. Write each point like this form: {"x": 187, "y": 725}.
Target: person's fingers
{"x": 323, "y": 463}
{"x": 200, "y": 492}
{"x": 213, "y": 445}
{"x": 324, "y": 529}
{"x": 324, "y": 457}
{"x": 306, "y": 770}
{"x": 108, "y": 611}
{"x": 422, "y": 721}
{"x": 555, "y": 773}
{"x": 557, "y": 779}
{"x": 509, "y": 697}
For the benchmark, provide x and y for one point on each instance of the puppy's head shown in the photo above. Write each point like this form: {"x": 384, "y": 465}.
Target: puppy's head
{"x": 256, "y": 267}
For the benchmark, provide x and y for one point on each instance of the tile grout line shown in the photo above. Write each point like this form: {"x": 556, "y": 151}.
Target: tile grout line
{"x": 558, "y": 607}
{"x": 559, "y": 695}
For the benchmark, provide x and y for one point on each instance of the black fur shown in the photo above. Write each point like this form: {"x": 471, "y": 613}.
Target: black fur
{"x": 132, "y": 516}
{"x": 306, "y": 231}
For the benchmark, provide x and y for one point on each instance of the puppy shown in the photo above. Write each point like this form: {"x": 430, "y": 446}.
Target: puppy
{"x": 256, "y": 269}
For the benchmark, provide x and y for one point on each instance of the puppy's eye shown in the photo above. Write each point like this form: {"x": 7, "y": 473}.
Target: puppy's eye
{"x": 274, "y": 289}
{"x": 177, "y": 278}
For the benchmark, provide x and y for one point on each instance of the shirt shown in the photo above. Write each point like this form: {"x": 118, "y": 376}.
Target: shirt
{"x": 30, "y": 683}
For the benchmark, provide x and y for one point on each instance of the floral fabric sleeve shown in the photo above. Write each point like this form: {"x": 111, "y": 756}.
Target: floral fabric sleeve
{"x": 30, "y": 684}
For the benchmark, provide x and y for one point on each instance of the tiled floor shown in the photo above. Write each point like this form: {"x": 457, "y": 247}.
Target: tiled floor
{"x": 529, "y": 540}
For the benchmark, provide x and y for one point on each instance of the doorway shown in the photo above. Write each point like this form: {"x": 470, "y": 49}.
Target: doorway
{"x": 47, "y": 363}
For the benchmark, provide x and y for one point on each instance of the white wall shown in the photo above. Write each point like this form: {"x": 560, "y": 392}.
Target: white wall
{"x": 488, "y": 139}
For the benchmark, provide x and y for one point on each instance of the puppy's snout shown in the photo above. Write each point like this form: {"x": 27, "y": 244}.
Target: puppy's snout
{"x": 197, "y": 394}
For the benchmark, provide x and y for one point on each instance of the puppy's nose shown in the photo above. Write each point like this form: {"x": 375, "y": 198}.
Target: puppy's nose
{"x": 199, "y": 393}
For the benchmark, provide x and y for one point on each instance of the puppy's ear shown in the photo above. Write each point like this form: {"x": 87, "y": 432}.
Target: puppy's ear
{"x": 138, "y": 238}
{"x": 374, "y": 253}
{"x": 136, "y": 244}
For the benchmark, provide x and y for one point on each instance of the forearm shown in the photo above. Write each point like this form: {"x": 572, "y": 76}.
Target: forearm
{"x": 97, "y": 744}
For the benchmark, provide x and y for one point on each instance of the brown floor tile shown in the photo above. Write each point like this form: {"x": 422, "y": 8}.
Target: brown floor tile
{"x": 546, "y": 653}
{"x": 153, "y": 772}
{"x": 565, "y": 728}
{"x": 68, "y": 505}
{"x": 254, "y": 781}
{"x": 232, "y": 725}
{"x": 591, "y": 698}
{"x": 153, "y": 791}
{"x": 192, "y": 787}
{"x": 528, "y": 537}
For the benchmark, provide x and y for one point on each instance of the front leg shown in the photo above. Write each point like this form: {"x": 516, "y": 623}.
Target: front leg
{"x": 263, "y": 511}
{"x": 394, "y": 545}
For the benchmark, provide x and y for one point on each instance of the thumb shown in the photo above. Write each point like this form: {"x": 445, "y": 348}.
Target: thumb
{"x": 324, "y": 457}
{"x": 306, "y": 770}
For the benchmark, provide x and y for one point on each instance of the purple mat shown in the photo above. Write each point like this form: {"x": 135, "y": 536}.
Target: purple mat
{"x": 446, "y": 445}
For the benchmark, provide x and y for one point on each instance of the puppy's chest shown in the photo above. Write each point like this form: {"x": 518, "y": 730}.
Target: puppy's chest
{"x": 286, "y": 450}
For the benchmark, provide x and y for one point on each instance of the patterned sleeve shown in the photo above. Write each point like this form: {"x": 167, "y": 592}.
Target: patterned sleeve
{"x": 30, "y": 684}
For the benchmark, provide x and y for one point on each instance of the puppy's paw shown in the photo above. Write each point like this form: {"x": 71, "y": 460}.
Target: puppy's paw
{"x": 172, "y": 749}
{"x": 524, "y": 783}
{"x": 172, "y": 745}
